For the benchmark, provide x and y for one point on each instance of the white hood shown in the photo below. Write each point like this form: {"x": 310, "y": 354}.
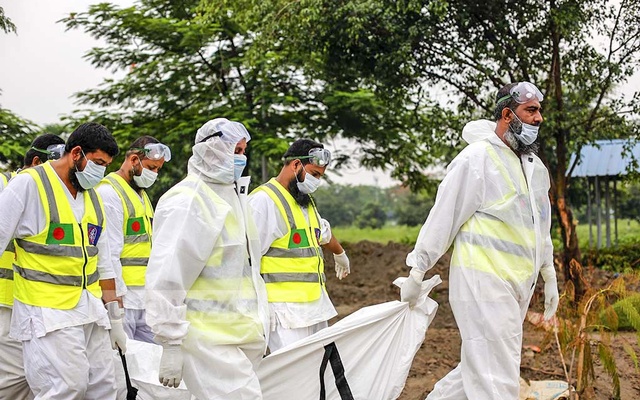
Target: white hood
{"x": 475, "y": 131}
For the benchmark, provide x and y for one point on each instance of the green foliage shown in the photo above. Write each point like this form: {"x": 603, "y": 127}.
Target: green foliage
{"x": 593, "y": 324}
{"x": 16, "y": 135}
{"x": 5, "y": 23}
{"x": 622, "y": 258}
{"x": 371, "y": 216}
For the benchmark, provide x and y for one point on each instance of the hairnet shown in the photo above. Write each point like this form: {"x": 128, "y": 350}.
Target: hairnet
{"x": 229, "y": 131}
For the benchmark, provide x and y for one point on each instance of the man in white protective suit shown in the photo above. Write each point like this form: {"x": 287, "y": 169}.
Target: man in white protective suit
{"x": 206, "y": 302}
{"x": 493, "y": 205}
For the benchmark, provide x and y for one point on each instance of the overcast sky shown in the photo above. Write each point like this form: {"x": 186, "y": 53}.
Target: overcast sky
{"x": 42, "y": 67}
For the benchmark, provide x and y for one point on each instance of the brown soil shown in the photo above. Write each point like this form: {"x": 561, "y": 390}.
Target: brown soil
{"x": 375, "y": 266}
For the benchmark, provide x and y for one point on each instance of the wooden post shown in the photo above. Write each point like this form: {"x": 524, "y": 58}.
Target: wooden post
{"x": 615, "y": 209}
{"x": 589, "y": 217}
{"x": 607, "y": 206}
{"x": 598, "y": 214}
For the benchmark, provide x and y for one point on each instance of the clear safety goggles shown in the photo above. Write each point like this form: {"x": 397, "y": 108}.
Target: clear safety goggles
{"x": 53, "y": 151}
{"x": 317, "y": 156}
{"x": 155, "y": 151}
{"x": 522, "y": 93}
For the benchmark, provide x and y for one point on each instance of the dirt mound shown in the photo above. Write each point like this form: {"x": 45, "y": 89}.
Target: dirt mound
{"x": 375, "y": 266}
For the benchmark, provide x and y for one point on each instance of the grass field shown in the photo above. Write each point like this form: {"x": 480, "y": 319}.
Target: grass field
{"x": 628, "y": 231}
{"x": 388, "y": 233}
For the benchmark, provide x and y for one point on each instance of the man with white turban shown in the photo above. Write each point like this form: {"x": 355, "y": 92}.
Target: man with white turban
{"x": 206, "y": 301}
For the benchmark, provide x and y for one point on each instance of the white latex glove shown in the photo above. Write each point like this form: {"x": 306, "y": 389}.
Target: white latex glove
{"x": 551, "y": 296}
{"x": 116, "y": 334}
{"x": 411, "y": 287}
{"x": 171, "y": 365}
{"x": 342, "y": 265}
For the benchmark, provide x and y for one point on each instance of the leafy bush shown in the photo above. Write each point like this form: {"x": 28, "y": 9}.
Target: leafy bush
{"x": 622, "y": 258}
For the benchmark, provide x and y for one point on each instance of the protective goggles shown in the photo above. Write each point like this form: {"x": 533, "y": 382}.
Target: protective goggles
{"x": 523, "y": 92}
{"x": 155, "y": 151}
{"x": 53, "y": 151}
{"x": 317, "y": 156}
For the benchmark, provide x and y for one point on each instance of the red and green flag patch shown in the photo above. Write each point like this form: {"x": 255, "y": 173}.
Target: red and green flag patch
{"x": 135, "y": 226}
{"x": 60, "y": 234}
{"x": 298, "y": 238}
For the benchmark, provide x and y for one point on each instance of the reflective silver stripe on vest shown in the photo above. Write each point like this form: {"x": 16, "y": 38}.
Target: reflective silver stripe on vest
{"x": 6, "y": 273}
{"x": 276, "y": 277}
{"x": 56, "y": 249}
{"x": 118, "y": 187}
{"x": 497, "y": 244}
{"x": 96, "y": 206}
{"x": 285, "y": 204}
{"x": 51, "y": 198}
{"x": 132, "y": 239}
{"x": 213, "y": 305}
{"x": 291, "y": 253}
{"x": 11, "y": 247}
{"x": 39, "y": 276}
{"x": 93, "y": 278}
{"x": 135, "y": 261}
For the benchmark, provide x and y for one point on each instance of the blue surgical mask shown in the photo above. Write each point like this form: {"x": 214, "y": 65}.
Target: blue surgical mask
{"x": 91, "y": 175}
{"x": 239, "y": 163}
{"x": 528, "y": 133}
{"x": 310, "y": 183}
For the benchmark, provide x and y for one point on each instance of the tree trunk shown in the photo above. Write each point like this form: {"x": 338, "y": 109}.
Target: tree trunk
{"x": 571, "y": 250}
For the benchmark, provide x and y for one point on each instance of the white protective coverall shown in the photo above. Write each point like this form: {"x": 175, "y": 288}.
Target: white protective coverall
{"x": 487, "y": 185}
{"x": 202, "y": 240}
{"x": 67, "y": 353}
{"x": 132, "y": 297}
{"x": 13, "y": 384}
{"x": 291, "y": 321}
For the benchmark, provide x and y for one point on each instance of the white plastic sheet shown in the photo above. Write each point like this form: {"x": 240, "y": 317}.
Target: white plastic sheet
{"x": 367, "y": 355}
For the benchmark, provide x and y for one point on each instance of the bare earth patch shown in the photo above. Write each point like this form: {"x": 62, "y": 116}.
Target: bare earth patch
{"x": 374, "y": 266}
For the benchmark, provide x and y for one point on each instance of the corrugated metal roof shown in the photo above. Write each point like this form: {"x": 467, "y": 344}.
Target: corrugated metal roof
{"x": 605, "y": 158}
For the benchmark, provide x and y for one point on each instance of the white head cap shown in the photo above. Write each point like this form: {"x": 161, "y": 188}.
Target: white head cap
{"x": 229, "y": 131}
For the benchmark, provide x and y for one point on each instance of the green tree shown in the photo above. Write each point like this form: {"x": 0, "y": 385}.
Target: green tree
{"x": 15, "y": 133}
{"x": 182, "y": 68}
{"x": 372, "y": 216}
{"x": 445, "y": 60}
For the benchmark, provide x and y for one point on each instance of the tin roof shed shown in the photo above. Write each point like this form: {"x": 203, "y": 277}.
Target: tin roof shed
{"x": 605, "y": 158}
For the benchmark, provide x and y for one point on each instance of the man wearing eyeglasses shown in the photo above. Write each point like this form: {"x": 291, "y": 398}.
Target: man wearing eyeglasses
{"x": 292, "y": 235}
{"x": 493, "y": 205}
{"x": 13, "y": 384}
{"x": 129, "y": 226}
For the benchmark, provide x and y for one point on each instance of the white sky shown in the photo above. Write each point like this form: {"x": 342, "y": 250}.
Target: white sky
{"x": 42, "y": 67}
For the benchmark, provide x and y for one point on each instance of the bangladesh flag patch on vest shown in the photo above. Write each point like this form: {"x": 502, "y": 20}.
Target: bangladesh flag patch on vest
{"x": 60, "y": 234}
{"x": 135, "y": 226}
{"x": 298, "y": 238}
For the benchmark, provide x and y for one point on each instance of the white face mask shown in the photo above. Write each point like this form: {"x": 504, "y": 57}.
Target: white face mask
{"x": 91, "y": 175}
{"x": 310, "y": 183}
{"x": 239, "y": 162}
{"x": 146, "y": 178}
{"x": 528, "y": 133}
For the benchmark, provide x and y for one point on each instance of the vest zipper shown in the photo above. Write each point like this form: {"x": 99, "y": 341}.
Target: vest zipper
{"x": 84, "y": 254}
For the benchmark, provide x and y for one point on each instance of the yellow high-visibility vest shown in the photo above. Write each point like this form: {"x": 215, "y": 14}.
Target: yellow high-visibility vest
{"x": 495, "y": 240}
{"x": 6, "y": 260}
{"x": 53, "y": 266}
{"x": 293, "y": 267}
{"x": 137, "y": 230}
{"x": 222, "y": 303}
